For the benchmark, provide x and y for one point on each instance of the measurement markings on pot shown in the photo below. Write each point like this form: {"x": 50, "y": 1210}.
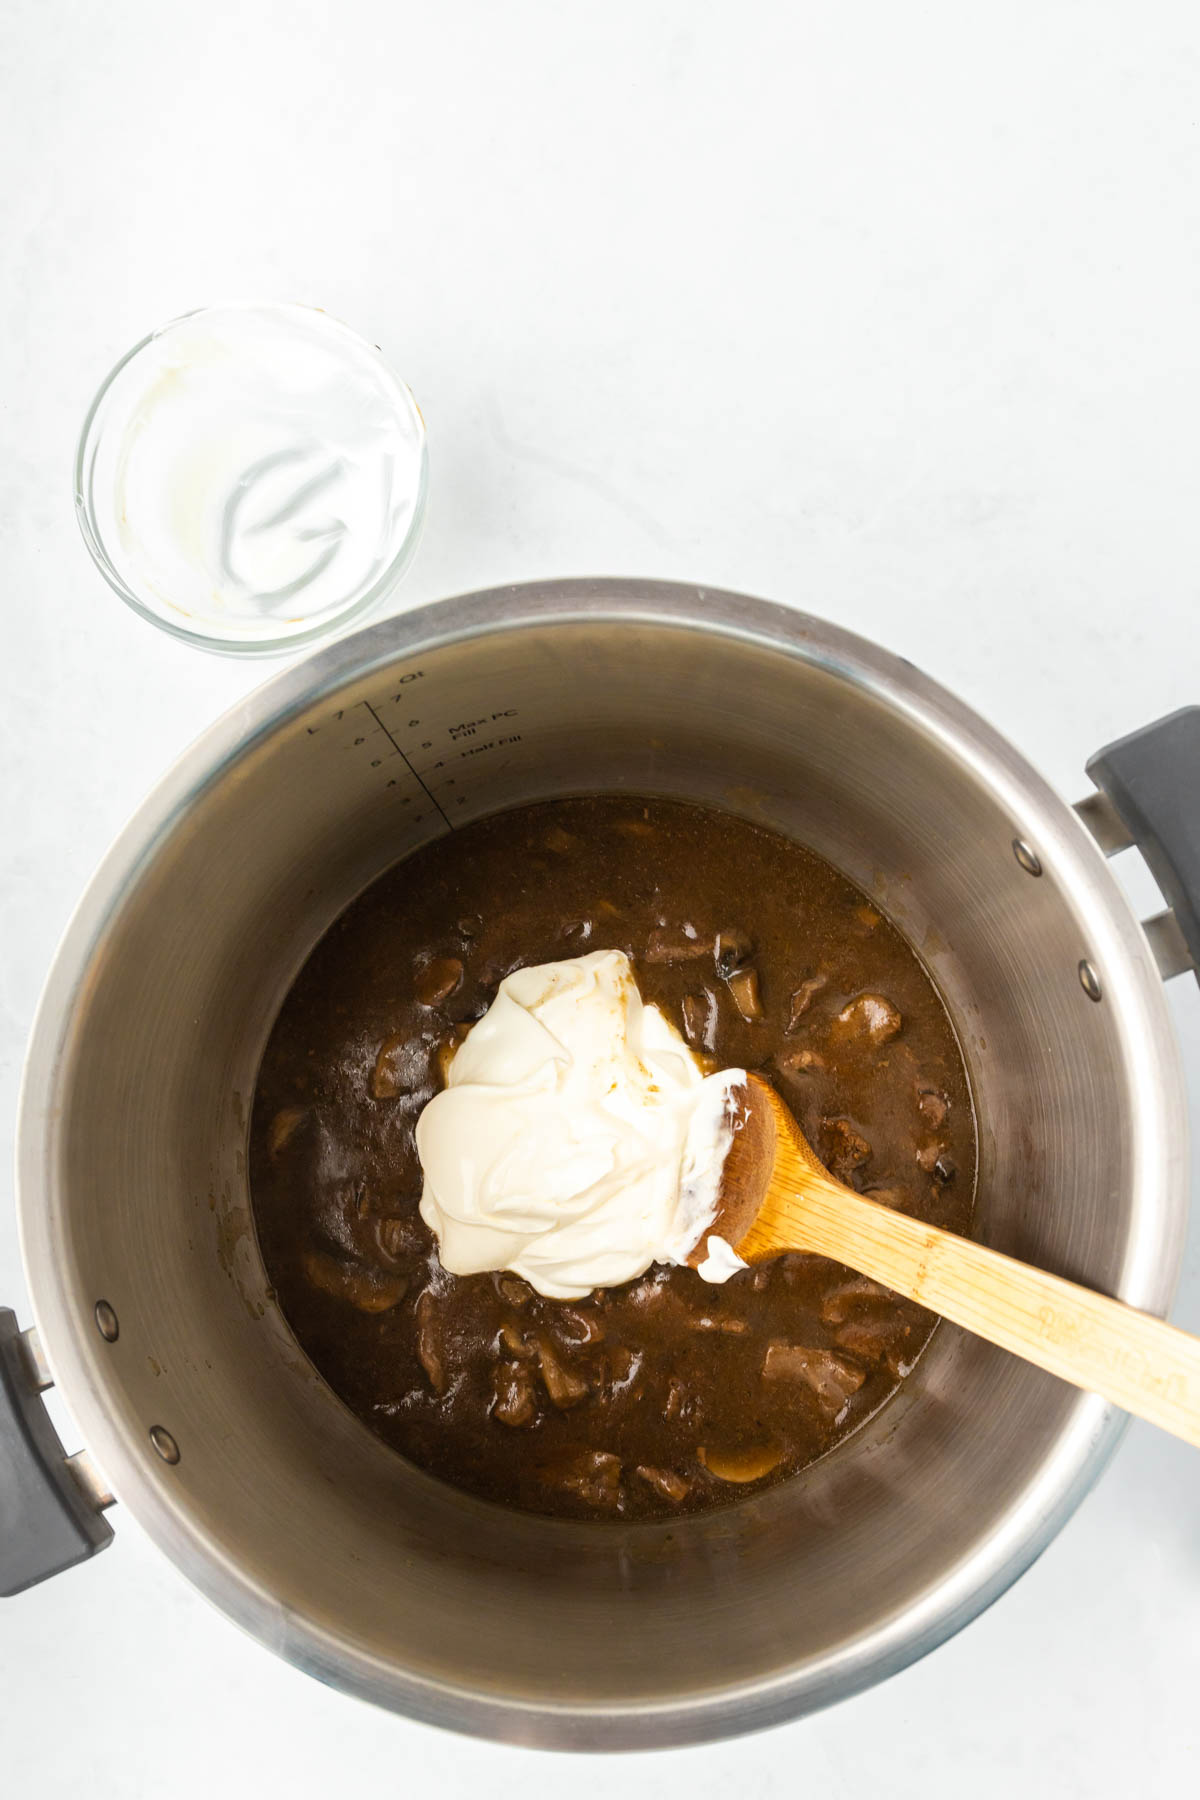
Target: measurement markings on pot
{"x": 395, "y": 746}
{"x": 427, "y": 741}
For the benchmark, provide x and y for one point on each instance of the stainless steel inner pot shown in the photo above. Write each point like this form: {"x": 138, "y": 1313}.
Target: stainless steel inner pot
{"x": 282, "y": 1507}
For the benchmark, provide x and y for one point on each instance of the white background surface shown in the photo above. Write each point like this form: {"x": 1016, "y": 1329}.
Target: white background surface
{"x": 889, "y": 310}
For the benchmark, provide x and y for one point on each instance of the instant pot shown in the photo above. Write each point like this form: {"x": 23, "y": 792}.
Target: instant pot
{"x": 202, "y": 1415}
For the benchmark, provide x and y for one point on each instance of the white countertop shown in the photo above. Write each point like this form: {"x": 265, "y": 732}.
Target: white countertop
{"x": 889, "y": 311}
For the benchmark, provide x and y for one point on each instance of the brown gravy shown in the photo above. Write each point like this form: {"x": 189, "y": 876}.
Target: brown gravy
{"x": 667, "y": 1395}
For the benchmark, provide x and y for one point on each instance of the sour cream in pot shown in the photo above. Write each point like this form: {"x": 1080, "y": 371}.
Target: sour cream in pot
{"x": 578, "y": 1140}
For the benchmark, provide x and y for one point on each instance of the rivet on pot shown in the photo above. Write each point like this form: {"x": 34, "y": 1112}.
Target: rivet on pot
{"x": 106, "y": 1322}
{"x": 1029, "y": 859}
{"x": 164, "y": 1443}
{"x": 1089, "y": 981}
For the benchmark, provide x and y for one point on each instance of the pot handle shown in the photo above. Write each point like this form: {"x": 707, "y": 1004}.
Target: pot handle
{"x": 1152, "y": 778}
{"x": 50, "y": 1504}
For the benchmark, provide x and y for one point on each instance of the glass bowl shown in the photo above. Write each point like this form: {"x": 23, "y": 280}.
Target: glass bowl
{"x": 252, "y": 477}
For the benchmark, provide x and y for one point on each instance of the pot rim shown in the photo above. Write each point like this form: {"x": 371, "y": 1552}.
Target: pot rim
{"x": 1153, "y": 1252}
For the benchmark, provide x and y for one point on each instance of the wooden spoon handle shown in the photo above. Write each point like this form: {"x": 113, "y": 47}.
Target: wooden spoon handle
{"x": 1143, "y": 1364}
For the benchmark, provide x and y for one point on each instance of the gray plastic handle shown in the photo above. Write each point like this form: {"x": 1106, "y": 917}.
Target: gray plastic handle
{"x": 47, "y": 1522}
{"x": 1152, "y": 778}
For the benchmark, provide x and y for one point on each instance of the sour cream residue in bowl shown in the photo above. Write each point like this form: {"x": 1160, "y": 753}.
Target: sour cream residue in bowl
{"x": 251, "y": 475}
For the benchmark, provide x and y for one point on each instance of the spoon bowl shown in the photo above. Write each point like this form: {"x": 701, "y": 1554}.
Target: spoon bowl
{"x": 776, "y": 1195}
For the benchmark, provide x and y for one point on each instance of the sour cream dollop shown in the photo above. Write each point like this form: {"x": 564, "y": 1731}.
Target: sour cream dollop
{"x": 577, "y": 1140}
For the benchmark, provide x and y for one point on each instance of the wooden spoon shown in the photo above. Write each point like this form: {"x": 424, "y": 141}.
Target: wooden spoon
{"x": 777, "y": 1196}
